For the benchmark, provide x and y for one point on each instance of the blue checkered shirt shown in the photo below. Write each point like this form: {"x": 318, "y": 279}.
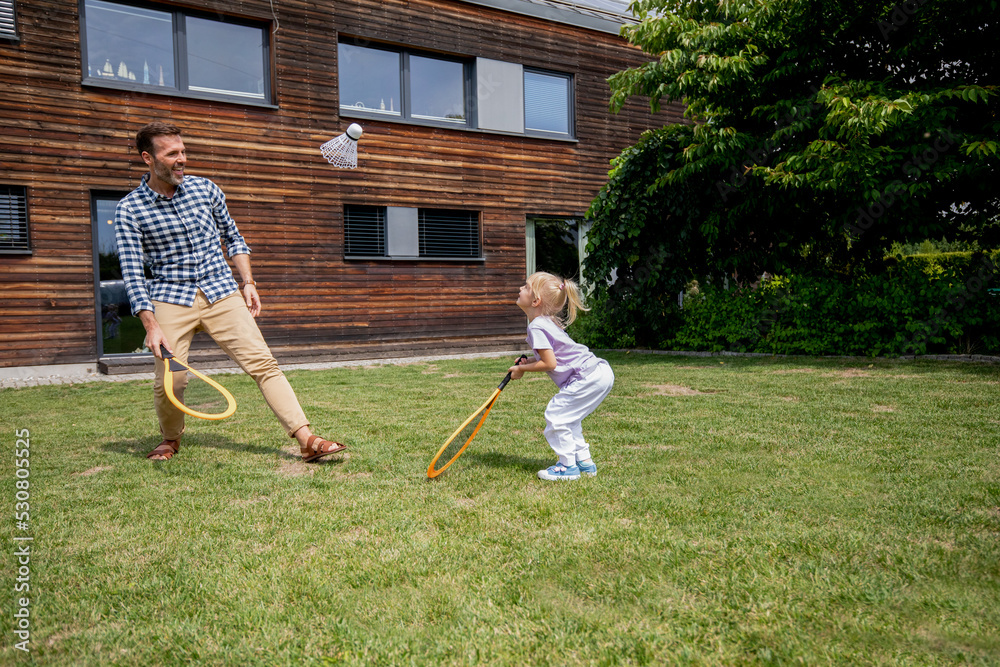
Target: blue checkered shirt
{"x": 181, "y": 239}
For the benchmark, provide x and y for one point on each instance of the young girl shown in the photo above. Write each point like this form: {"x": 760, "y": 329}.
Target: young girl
{"x": 584, "y": 380}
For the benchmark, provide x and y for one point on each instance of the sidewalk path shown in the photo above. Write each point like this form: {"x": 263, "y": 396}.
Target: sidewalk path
{"x": 35, "y": 376}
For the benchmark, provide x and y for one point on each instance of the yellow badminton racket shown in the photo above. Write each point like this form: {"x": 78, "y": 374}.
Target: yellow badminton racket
{"x": 193, "y": 392}
{"x": 463, "y": 435}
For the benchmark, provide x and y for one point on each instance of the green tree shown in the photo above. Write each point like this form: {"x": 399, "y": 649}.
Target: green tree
{"x": 819, "y": 133}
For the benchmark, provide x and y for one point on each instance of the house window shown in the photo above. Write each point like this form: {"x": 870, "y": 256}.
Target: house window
{"x": 449, "y": 233}
{"x": 404, "y": 233}
{"x": 437, "y": 89}
{"x": 14, "y": 220}
{"x": 174, "y": 52}
{"x": 556, "y": 245}
{"x": 547, "y": 103}
{"x": 364, "y": 231}
{"x": 384, "y": 82}
{"x": 8, "y": 20}
{"x": 370, "y": 80}
{"x": 121, "y": 331}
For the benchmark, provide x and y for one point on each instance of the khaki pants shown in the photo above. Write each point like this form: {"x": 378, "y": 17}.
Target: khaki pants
{"x": 229, "y": 323}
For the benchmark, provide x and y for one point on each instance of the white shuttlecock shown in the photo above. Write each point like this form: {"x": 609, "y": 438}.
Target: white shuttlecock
{"x": 342, "y": 152}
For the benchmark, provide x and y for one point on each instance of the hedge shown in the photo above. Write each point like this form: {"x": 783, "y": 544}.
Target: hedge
{"x": 933, "y": 304}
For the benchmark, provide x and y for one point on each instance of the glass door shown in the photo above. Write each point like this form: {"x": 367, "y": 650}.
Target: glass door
{"x": 120, "y": 332}
{"x": 556, "y": 245}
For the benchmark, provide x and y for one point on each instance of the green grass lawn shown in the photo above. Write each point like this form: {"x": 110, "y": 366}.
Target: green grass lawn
{"x": 746, "y": 511}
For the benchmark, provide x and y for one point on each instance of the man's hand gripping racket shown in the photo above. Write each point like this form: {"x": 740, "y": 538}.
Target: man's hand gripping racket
{"x": 460, "y": 439}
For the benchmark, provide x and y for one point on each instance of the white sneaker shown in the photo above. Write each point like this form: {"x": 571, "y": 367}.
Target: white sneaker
{"x": 559, "y": 472}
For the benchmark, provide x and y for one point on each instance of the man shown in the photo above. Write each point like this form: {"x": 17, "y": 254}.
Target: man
{"x": 180, "y": 223}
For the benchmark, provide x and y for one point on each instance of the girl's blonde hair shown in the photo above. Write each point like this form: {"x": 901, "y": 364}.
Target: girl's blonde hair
{"x": 557, "y": 294}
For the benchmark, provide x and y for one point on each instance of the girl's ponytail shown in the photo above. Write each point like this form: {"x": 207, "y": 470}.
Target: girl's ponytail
{"x": 574, "y": 301}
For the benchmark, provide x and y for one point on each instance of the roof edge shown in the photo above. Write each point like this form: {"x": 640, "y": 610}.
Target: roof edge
{"x": 562, "y": 11}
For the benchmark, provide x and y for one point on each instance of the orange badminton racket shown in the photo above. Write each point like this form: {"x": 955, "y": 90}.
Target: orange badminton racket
{"x": 193, "y": 392}
{"x": 463, "y": 435}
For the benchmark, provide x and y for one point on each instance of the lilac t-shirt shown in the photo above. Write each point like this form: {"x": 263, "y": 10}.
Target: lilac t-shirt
{"x": 572, "y": 358}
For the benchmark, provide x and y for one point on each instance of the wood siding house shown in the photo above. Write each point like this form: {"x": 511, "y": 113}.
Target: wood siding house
{"x": 501, "y": 118}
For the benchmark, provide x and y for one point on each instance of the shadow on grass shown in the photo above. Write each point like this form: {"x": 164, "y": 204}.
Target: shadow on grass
{"x": 497, "y": 460}
{"x": 140, "y": 447}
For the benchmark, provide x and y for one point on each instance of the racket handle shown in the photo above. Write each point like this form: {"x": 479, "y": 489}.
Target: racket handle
{"x": 168, "y": 359}
{"x": 507, "y": 378}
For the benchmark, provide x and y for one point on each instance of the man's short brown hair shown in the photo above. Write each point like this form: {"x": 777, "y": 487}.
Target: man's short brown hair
{"x": 144, "y": 137}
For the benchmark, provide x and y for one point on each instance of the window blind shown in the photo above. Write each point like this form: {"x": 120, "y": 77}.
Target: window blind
{"x": 13, "y": 218}
{"x": 448, "y": 233}
{"x": 364, "y": 231}
{"x": 8, "y": 25}
{"x": 546, "y": 102}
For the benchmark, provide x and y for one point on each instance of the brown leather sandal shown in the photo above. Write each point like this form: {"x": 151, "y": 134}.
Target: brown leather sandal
{"x": 165, "y": 450}
{"x": 316, "y": 448}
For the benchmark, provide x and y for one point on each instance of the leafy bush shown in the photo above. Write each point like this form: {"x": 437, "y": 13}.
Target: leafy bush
{"x": 935, "y": 262}
{"x": 931, "y": 247}
{"x": 600, "y": 327}
{"x": 644, "y": 246}
{"x": 916, "y": 306}
{"x": 717, "y": 319}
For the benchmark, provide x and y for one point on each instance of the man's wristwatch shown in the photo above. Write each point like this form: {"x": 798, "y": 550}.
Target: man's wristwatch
{"x": 250, "y": 282}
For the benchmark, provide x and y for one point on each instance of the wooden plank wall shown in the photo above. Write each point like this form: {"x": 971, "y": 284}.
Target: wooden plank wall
{"x": 63, "y": 140}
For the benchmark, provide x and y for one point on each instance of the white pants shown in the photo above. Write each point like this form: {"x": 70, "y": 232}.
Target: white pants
{"x": 565, "y": 412}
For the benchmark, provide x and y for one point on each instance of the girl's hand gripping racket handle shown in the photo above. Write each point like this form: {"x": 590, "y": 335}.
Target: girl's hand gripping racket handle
{"x": 507, "y": 378}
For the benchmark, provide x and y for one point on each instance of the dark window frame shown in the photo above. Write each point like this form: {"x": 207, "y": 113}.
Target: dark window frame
{"x": 19, "y": 221}
{"x": 420, "y": 256}
{"x": 179, "y": 17}
{"x": 95, "y": 197}
{"x": 468, "y": 80}
{"x": 570, "y": 105}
